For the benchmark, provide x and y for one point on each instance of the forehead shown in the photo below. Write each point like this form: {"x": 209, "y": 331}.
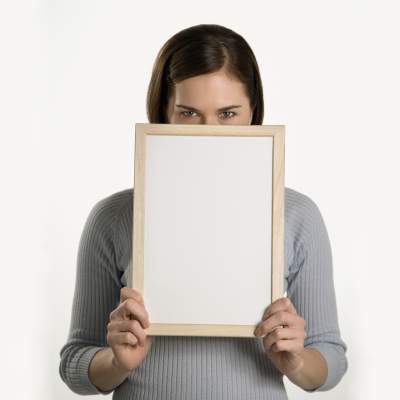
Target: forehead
{"x": 216, "y": 89}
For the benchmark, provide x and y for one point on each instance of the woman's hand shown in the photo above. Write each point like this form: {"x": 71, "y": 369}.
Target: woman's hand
{"x": 125, "y": 330}
{"x": 284, "y": 332}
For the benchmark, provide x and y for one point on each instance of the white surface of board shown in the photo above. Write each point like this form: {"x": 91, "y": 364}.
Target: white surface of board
{"x": 207, "y": 228}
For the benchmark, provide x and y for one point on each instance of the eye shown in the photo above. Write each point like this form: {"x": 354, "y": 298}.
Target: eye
{"x": 231, "y": 112}
{"x": 185, "y": 113}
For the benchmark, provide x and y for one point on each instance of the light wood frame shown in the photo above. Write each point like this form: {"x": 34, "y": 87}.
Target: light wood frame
{"x": 277, "y": 132}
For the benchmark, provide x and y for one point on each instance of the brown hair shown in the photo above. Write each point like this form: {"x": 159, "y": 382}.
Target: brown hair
{"x": 198, "y": 50}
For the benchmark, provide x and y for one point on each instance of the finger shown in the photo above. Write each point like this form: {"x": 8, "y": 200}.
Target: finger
{"x": 282, "y": 304}
{"x": 126, "y": 293}
{"x": 132, "y": 326}
{"x": 123, "y": 338}
{"x": 280, "y": 318}
{"x": 138, "y": 312}
{"x": 287, "y": 345}
{"x": 131, "y": 309}
{"x": 282, "y": 334}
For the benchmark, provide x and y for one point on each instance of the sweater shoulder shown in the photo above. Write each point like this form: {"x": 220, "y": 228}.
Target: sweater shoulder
{"x": 114, "y": 205}
{"x": 301, "y": 212}
{"x": 117, "y": 208}
{"x": 304, "y": 224}
{"x": 305, "y": 229}
{"x": 110, "y": 214}
{"x": 116, "y": 200}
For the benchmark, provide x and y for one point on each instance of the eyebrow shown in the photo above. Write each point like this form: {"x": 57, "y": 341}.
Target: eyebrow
{"x": 219, "y": 109}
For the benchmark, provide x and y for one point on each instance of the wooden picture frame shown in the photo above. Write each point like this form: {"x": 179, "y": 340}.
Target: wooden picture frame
{"x": 208, "y": 226}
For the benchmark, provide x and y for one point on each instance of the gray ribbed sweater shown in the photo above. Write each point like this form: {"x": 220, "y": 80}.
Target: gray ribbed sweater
{"x": 201, "y": 368}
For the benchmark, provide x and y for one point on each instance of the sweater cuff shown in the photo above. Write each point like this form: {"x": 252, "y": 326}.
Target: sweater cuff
{"x": 83, "y": 367}
{"x": 336, "y": 361}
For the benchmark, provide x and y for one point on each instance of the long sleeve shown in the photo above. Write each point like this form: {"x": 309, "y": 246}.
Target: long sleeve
{"x": 96, "y": 294}
{"x": 312, "y": 292}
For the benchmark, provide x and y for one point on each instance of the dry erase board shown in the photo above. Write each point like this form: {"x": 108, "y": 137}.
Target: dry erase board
{"x": 208, "y": 226}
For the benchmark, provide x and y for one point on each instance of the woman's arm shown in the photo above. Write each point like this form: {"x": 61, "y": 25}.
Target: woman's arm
{"x": 104, "y": 373}
{"x": 311, "y": 290}
{"x": 97, "y": 293}
{"x": 313, "y": 372}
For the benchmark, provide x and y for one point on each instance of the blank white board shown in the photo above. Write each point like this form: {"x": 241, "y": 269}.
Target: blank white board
{"x": 205, "y": 202}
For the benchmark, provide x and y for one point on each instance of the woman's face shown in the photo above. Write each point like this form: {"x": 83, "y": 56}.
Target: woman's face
{"x": 212, "y": 98}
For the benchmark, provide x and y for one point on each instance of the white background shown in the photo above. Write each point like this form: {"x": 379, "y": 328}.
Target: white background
{"x": 73, "y": 80}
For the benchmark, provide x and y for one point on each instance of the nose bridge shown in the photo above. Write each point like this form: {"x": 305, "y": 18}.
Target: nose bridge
{"x": 210, "y": 119}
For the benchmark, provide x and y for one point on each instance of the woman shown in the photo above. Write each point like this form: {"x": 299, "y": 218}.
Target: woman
{"x": 205, "y": 74}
